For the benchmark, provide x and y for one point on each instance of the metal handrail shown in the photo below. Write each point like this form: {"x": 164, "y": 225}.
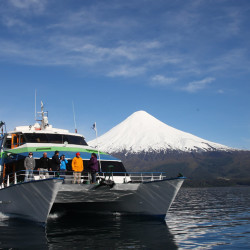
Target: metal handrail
{"x": 19, "y": 176}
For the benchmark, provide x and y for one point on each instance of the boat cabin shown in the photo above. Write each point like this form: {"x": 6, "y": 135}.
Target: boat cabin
{"x": 42, "y": 137}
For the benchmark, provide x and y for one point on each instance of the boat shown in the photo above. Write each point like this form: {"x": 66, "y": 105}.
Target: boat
{"x": 116, "y": 190}
{"x": 30, "y": 199}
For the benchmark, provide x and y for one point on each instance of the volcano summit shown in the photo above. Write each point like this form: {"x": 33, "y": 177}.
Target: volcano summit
{"x": 141, "y": 132}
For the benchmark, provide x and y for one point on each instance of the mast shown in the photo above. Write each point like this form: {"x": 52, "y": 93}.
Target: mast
{"x": 74, "y": 116}
{"x": 95, "y": 128}
{"x": 35, "y": 104}
{"x": 44, "y": 115}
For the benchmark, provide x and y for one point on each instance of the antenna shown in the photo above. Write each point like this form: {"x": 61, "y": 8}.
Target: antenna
{"x": 74, "y": 117}
{"x": 95, "y": 128}
{"x": 35, "y": 104}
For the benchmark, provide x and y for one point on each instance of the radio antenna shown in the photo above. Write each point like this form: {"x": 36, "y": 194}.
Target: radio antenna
{"x": 35, "y": 104}
{"x": 95, "y": 128}
{"x": 74, "y": 116}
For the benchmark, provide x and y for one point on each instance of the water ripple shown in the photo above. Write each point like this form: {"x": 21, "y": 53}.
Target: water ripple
{"x": 200, "y": 218}
{"x": 211, "y": 218}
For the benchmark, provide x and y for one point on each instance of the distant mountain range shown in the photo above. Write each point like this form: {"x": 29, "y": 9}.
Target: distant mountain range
{"x": 146, "y": 144}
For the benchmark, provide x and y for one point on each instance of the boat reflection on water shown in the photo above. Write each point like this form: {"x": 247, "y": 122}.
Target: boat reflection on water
{"x": 109, "y": 232}
{"x": 21, "y": 234}
{"x": 80, "y": 231}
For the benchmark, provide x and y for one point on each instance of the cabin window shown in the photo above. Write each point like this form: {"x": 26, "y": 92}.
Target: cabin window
{"x": 8, "y": 143}
{"x": 74, "y": 140}
{"x": 54, "y": 138}
{"x": 35, "y": 138}
{"x": 16, "y": 140}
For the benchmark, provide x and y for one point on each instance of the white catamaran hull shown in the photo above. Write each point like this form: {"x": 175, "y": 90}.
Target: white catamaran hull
{"x": 146, "y": 198}
{"x": 30, "y": 200}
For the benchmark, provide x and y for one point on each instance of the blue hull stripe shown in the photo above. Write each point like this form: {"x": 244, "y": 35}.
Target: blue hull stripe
{"x": 68, "y": 155}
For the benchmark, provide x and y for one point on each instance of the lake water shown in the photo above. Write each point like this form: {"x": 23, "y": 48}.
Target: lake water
{"x": 200, "y": 218}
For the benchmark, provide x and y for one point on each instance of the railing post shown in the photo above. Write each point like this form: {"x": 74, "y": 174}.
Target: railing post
{"x": 125, "y": 178}
{"x": 15, "y": 182}
{"x": 8, "y": 180}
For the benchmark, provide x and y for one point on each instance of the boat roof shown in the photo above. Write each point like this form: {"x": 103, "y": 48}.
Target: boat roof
{"x": 42, "y": 126}
{"x": 47, "y": 130}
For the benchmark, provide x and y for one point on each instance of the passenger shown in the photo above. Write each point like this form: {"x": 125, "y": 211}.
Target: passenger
{"x": 63, "y": 165}
{"x": 44, "y": 165}
{"x": 29, "y": 164}
{"x": 77, "y": 167}
{"x": 55, "y": 163}
{"x": 93, "y": 165}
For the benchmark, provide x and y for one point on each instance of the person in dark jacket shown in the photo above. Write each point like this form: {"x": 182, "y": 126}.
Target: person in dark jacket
{"x": 93, "y": 166}
{"x": 44, "y": 165}
{"x": 55, "y": 162}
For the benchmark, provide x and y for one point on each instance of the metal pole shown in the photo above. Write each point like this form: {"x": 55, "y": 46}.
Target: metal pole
{"x": 35, "y": 104}
{"x": 74, "y": 116}
{"x": 98, "y": 148}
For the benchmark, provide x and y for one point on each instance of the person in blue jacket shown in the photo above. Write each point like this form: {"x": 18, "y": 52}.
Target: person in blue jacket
{"x": 63, "y": 165}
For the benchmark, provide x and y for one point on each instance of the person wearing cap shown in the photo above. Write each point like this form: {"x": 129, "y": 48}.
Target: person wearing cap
{"x": 29, "y": 164}
{"x": 77, "y": 167}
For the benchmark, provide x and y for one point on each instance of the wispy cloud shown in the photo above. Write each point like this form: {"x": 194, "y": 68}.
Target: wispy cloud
{"x": 160, "y": 80}
{"x": 198, "y": 85}
{"x": 127, "y": 71}
{"x": 220, "y": 91}
{"x": 13, "y": 22}
{"x": 236, "y": 59}
{"x": 122, "y": 59}
{"x": 120, "y": 39}
{"x": 34, "y": 5}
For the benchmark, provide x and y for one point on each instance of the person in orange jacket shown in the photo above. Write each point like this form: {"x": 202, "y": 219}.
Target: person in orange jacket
{"x": 77, "y": 167}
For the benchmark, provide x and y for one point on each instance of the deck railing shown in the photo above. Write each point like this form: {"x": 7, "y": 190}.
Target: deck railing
{"x": 117, "y": 177}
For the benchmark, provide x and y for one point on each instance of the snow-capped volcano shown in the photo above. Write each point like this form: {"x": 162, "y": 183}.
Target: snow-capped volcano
{"x": 141, "y": 132}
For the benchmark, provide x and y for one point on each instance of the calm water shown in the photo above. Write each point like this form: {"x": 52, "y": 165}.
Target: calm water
{"x": 206, "y": 218}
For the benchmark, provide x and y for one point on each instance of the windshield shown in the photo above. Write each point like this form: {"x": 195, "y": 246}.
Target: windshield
{"x": 54, "y": 138}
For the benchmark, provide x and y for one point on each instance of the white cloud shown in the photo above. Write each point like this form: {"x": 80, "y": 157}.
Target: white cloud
{"x": 220, "y": 91}
{"x": 11, "y": 22}
{"x": 127, "y": 71}
{"x": 37, "y": 5}
{"x": 184, "y": 40}
{"x": 162, "y": 80}
{"x": 236, "y": 59}
{"x": 198, "y": 85}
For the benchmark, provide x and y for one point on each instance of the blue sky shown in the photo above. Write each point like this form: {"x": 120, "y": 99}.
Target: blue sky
{"x": 186, "y": 62}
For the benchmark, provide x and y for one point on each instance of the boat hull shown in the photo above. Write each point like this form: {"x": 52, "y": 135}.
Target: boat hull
{"x": 146, "y": 198}
{"x": 30, "y": 200}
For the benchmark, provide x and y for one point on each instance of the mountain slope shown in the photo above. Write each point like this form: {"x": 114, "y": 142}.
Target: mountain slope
{"x": 142, "y": 132}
